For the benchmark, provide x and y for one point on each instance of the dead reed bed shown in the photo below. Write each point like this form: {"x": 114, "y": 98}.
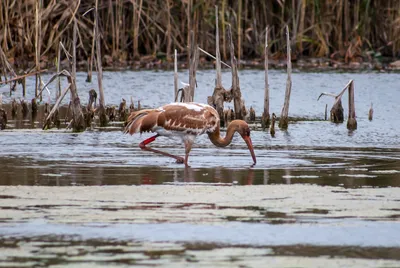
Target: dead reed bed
{"x": 133, "y": 30}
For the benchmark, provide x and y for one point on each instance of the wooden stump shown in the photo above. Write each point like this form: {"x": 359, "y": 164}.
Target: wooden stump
{"x": 337, "y": 112}
{"x": 284, "y": 119}
{"x": 217, "y": 101}
{"x": 110, "y": 113}
{"x": 34, "y": 108}
{"x": 337, "y": 108}
{"x": 3, "y": 119}
{"x": 370, "y": 113}
{"x": 265, "y": 118}
{"x": 14, "y": 109}
{"x": 252, "y": 114}
{"x": 25, "y": 109}
{"x": 132, "y": 106}
{"x": 238, "y": 102}
{"x": 272, "y": 127}
{"x": 351, "y": 122}
{"x": 122, "y": 111}
{"x": 78, "y": 123}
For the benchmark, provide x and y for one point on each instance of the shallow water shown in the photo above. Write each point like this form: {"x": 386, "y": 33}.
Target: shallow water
{"x": 309, "y": 153}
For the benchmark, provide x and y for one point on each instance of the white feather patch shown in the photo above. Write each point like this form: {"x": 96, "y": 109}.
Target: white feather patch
{"x": 198, "y": 107}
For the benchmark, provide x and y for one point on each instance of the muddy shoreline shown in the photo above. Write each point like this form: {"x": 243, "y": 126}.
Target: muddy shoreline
{"x": 168, "y": 225}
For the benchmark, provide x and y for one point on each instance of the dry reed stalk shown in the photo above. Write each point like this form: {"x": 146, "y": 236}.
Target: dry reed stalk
{"x": 102, "y": 106}
{"x": 137, "y": 13}
{"x": 175, "y": 76}
{"x": 284, "y": 119}
{"x": 7, "y": 68}
{"x": 21, "y": 76}
{"x": 90, "y": 65}
{"x": 58, "y": 70}
{"x": 265, "y": 120}
{"x": 223, "y": 29}
{"x": 238, "y": 103}
{"x": 217, "y": 52}
{"x": 189, "y": 26}
{"x": 192, "y": 68}
{"x": 37, "y": 46}
{"x": 169, "y": 31}
{"x": 219, "y": 94}
{"x": 239, "y": 26}
{"x": 74, "y": 36}
{"x": 55, "y": 107}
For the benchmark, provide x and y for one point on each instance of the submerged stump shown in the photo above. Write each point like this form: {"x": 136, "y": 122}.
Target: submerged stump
{"x": 123, "y": 115}
{"x": 3, "y": 119}
{"x": 252, "y": 114}
{"x": 25, "y": 109}
{"x": 272, "y": 127}
{"x": 337, "y": 115}
{"x": 14, "y": 109}
{"x": 370, "y": 113}
{"x": 34, "y": 108}
{"x": 351, "y": 122}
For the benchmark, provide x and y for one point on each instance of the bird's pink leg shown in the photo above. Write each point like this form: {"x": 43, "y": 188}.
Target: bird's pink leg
{"x": 188, "y": 147}
{"x": 143, "y": 144}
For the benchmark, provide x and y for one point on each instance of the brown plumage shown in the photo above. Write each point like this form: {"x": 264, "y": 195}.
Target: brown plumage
{"x": 187, "y": 121}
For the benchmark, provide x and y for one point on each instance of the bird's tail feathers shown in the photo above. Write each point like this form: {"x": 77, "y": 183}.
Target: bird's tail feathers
{"x": 134, "y": 121}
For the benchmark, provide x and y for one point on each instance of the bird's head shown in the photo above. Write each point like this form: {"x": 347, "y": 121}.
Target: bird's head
{"x": 243, "y": 129}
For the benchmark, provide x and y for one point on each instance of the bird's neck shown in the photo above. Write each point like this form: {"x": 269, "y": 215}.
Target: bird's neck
{"x": 219, "y": 141}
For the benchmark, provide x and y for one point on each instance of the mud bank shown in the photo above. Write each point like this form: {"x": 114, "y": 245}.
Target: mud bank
{"x": 67, "y": 204}
{"x": 200, "y": 225}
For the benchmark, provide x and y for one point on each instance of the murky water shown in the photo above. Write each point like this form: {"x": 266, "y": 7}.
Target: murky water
{"x": 309, "y": 153}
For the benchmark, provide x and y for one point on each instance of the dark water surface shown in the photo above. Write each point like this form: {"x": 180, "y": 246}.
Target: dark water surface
{"x": 310, "y": 152}
{"x": 317, "y": 152}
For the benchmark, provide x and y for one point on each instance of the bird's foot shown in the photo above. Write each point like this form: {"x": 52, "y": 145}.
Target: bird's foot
{"x": 180, "y": 160}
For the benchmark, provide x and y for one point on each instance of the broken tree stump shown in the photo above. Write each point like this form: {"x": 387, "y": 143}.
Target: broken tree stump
{"x": 3, "y": 119}
{"x": 351, "y": 122}
{"x": 336, "y": 113}
{"x": 101, "y": 111}
{"x": 78, "y": 123}
{"x": 34, "y": 108}
{"x": 110, "y": 111}
{"x": 370, "y": 113}
{"x": 175, "y": 76}
{"x": 238, "y": 102}
{"x": 92, "y": 99}
{"x": 220, "y": 95}
{"x": 14, "y": 109}
{"x": 252, "y": 113}
{"x": 284, "y": 119}
{"x": 25, "y": 109}
{"x": 272, "y": 127}
{"x": 123, "y": 116}
{"x": 89, "y": 111}
{"x": 265, "y": 119}
{"x": 193, "y": 56}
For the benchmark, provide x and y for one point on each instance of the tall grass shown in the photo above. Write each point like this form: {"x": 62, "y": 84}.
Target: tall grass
{"x": 130, "y": 29}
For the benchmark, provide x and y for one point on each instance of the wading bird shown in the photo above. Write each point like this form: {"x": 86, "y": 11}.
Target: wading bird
{"x": 187, "y": 121}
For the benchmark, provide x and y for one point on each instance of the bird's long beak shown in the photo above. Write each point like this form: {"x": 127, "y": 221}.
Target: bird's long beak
{"x": 250, "y": 145}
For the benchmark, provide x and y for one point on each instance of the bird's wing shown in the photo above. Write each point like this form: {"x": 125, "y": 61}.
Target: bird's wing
{"x": 191, "y": 118}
